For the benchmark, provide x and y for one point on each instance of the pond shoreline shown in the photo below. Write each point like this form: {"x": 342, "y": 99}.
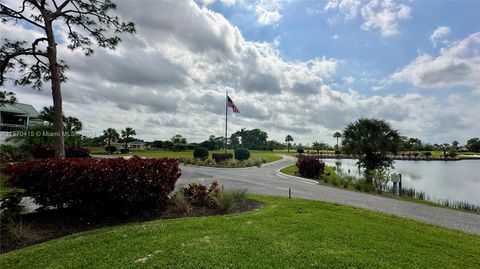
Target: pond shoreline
{"x": 343, "y": 156}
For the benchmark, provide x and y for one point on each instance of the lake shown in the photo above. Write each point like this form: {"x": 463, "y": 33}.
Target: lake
{"x": 453, "y": 180}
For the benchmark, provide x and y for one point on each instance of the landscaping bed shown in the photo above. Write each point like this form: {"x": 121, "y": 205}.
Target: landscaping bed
{"x": 46, "y": 225}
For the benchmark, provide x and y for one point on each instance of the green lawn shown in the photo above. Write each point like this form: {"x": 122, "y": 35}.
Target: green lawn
{"x": 267, "y": 155}
{"x": 284, "y": 234}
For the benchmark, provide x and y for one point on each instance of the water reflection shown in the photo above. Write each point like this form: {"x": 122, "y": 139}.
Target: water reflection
{"x": 455, "y": 180}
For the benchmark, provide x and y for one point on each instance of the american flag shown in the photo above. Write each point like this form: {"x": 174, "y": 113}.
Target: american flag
{"x": 232, "y": 105}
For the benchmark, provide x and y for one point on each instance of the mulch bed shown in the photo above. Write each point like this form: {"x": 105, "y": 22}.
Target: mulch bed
{"x": 51, "y": 224}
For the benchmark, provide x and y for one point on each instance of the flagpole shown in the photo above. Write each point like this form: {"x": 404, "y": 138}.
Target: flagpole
{"x": 226, "y": 120}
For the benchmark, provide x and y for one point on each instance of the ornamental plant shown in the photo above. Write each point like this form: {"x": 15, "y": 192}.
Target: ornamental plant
{"x": 112, "y": 186}
{"x": 242, "y": 154}
{"x": 201, "y": 153}
{"x": 199, "y": 195}
{"x": 221, "y": 157}
{"x": 310, "y": 166}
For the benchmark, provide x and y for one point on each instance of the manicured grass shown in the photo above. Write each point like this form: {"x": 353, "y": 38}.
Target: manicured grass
{"x": 269, "y": 156}
{"x": 94, "y": 150}
{"x": 284, "y": 234}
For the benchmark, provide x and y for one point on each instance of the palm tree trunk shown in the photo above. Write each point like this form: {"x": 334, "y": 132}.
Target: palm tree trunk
{"x": 59, "y": 143}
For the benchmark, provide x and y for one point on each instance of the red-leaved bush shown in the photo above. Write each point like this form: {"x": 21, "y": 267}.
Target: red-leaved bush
{"x": 310, "y": 166}
{"x": 43, "y": 152}
{"x": 198, "y": 194}
{"x": 109, "y": 185}
{"x": 221, "y": 157}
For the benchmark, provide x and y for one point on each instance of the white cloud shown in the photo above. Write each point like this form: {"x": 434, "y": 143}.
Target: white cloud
{"x": 350, "y": 8}
{"x": 268, "y": 11}
{"x": 228, "y": 3}
{"x": 383, "y": 16}
{"x": 172, "y": 76}
{"x": 349, "y": 80}
{"x": 439, "y": 35}
{"x": 335, "y": 37}
{"x": 457, "y": 64}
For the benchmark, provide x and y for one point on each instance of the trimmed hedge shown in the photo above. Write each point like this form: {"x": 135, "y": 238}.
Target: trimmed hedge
{"x": 222, "y": 157}
{"x": 310, "y": 166}
{"x": 201, "y": 153}
{"x": 117, "y": 186}
{"x": 44, "y": 152}
{"x": 110, "y": 149}
{"x": 242, "y": 154}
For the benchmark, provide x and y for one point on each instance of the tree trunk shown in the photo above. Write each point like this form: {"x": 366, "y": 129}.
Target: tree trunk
{"x": 58, "y": 140}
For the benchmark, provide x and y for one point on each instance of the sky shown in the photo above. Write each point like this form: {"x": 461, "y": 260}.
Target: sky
{"x": 304, "y": 68}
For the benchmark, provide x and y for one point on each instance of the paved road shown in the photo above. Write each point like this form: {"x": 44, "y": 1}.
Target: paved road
{"x": 267, "y": 180}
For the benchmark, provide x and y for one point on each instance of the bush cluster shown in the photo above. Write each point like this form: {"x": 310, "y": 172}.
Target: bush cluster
{"x": 201, "y": 153}
{"x": 230, "y": 162}
{"x": 199, "y": 195}
{"x": 242, "y": 154}
{"x": 109, "y": 185}
{"x": 43, "y": 152}
{"x": 110, "y": 149}
{"x": 221, "y": 157}
{"x": 9, "y": 153}
{"x": 310, "y": 166}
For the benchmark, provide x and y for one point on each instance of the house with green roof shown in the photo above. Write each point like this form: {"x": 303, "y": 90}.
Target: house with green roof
{"x": 16, "y": 116}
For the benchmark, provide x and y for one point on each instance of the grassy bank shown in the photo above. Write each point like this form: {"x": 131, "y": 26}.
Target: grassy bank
{"x": 334, "y": 180}
{"x": 269, "y": 156}
{"x": 285, "y": 233}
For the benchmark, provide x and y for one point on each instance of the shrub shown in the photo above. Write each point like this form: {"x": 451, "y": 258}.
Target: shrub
{"x": 107, "y": 185}
{"x": 380, "y": 179}
{"x": 201, "y": 153}
{"x": 124, "y": 151}
{"x": 110, "y": 149}
{"x": 337, "y": 152}
{"x": 363, "y": 185}
{"x": 198, "y": 194}
{"x": 258, "y": 161}
{"x": 310, "y": 166}
{"x": 224, "y": 200}
{"x": 10, "y": 153}
{"x": 10, "y": 221}
{"x": 181, "y": 201}
{"x": 358, "y": 185}
{"x": 221, "y": 157}
{"x": 242, "y": 154}
{"x": 44, "y": 152}
{"x": 300, "y": 151}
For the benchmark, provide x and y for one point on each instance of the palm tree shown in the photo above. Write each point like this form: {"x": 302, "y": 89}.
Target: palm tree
{"x": 372, "y": 139}
{"x": 72, "y": 124}
{"x": 127, "y": 134}
{"x": 47, "y": 114}
{"x": 111, "y": 135}
{"x": 444, "y": 147}
{"x": 288, "y": 139}
{"x": 317, "y": 146}
{"x": 337, "y": 135}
